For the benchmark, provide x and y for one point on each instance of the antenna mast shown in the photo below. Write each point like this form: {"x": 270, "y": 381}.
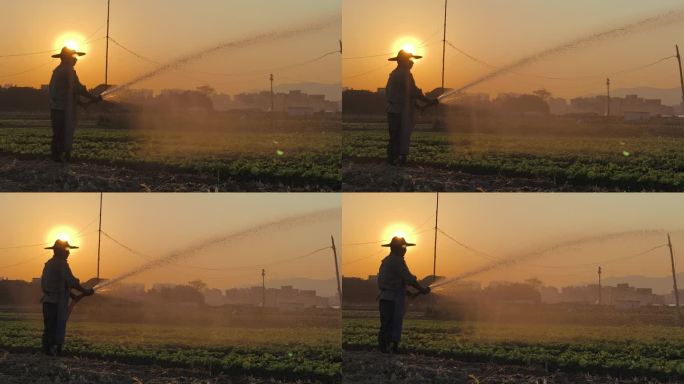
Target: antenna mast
{"x": 107, "y": 47}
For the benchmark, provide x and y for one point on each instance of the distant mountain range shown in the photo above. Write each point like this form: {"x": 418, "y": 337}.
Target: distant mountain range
{"x": 671, "y": 96}
{"x": 323, "y": 287}
{"x": 660, "y": 285}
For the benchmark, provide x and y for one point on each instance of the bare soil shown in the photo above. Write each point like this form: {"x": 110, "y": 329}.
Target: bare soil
{"x": 44, "y": 175}
{"x": 363, "y": 367}
{"x": 362, "y": 176}
{"x": 24, "y": 368}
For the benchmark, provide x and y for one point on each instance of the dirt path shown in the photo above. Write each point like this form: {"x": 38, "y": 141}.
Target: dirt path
{"x": 380, "y": 177}
{"x": 25, "y": 368}
{"x": 42, "y": 175}
{"x": 360, "y": 367}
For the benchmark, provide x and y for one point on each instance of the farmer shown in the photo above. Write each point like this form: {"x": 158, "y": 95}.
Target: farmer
{"x": 65, "y": 90}
{"x": 57, "y": 282}
{"x": 402, "y": 93}
{"x": 393, "y": 278}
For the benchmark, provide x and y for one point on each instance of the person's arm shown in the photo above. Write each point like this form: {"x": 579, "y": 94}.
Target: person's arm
{"x": 81, "y": 90}
{"x": 74, "y": 283}
{"x": 418, "y": 94}
{"x": 411, "y": 279}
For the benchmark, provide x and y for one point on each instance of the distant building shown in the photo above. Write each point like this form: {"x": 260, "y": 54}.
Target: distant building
{"x": 622, "y": 295}
{"x": 286, "y": 297}
{"x": 630, "y": 104}
{"x": 300, "y": 103}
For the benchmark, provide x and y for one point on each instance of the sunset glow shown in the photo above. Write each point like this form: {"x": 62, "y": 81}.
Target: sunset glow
{"x": 72, "y": 41}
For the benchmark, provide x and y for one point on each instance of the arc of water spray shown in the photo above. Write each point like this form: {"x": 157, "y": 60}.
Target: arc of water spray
{"x": 315, "y": 26}
{"x": 554, "y": 248}
{"x": 184, "y": 253}
{"x": 652, "y": 22}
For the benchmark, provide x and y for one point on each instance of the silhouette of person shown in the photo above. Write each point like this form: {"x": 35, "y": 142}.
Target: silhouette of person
{"x": 402, "y": 93}
{"x": 65, "y": 90}
{"x": 393, "y": 278}
{"x": 56, "y": 283}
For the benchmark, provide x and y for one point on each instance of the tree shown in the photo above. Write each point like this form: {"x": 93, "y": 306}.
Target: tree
{"x": 542, "y": 94}
{"x": 199, "y": 285}
{"x": 206, "y": 89}
{"x": 534, "y": 283}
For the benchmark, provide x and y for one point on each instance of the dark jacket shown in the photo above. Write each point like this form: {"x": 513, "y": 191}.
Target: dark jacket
{"x": 57, "y": 281}
{"x": 393, "y": 277}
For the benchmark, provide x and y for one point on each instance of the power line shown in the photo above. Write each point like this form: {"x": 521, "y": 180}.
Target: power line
{"x": 133, "y": 251}
{"x": 27, "y": 70}
{"x": 482, "y": 62}
{"x": 260, "y": 71}
{"x": 415, "y": 232}
{"x": 88, "y": 40}
{"x": 592, "y": 264}
{"x": 31, "y": 259}
{"x": 422, "y": 45}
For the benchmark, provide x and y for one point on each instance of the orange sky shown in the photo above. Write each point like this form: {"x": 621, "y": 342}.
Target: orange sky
{"x": 504, "y": 225}
{"x": 162, "y": 30}
{"x": 156, "y": 225}
{"x": 499, "y": 32}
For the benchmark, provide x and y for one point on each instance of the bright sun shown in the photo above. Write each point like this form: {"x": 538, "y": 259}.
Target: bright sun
{"x": 410, "y": 45}
{"x": 399, "y": 229}
{"x": 61, "y": 233}
{"x": 72, "y": 41}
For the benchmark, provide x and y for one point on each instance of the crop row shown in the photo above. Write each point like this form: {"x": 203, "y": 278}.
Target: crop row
{"x": 309, "y": 158}
{"x": 662, "y": 359}
{"x": 628, "y": 164}
{"x": 286, "y": 362}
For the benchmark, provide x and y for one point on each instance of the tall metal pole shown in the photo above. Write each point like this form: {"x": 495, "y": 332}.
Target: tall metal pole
{"x": 681, "y": 76}
{"x": 263, "y": 288}
{"x": 444, "y": 42}
{"x": 272, "y": 105}
{"x": 674, "y": 282}
{"x": 337, "y": 270}
{"x": 99, "y": 237}
{"x": 434, "y": 264}
{"x": 599, "y": 291}
{"x": 608, "y": 93}
{"x": 107, "y": 47}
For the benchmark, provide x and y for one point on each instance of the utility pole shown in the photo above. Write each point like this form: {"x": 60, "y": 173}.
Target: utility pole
{"x": 434, "y": 263}
{"x": 272, "y": 105}
{"x": 608, "y": 93}
{"x": 674, "y": 282}
{"x": 681, "y": 76}
{"x": 444, "y": 42}
{"x": 599, "y": 291}
{"x": 99, "y": 237}
{"x": 337, "y": 270}
{"x": 263, "y": 288}
{"x": 107, "y": 48}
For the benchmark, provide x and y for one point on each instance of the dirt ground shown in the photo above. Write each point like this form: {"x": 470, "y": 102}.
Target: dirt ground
{"x": 25, "y": 368}
{"x": 361, "y": 367}
{"x": 43, "y": 175}
{"x": 381, "y": 177}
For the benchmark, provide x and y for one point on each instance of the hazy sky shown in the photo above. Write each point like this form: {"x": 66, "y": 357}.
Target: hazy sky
{"x": 499, "y": 32}
{"x": 162, "y": 30}
{"x": 159, "y": 224}
{"x": 506, "y": 225}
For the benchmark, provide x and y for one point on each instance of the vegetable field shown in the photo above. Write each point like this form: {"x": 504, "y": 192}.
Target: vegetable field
{"x": 283, "y": 160}
{"x": 648, "y": 163}
{"x": 290, "y": 354}
{"x": 629, "y": 351}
